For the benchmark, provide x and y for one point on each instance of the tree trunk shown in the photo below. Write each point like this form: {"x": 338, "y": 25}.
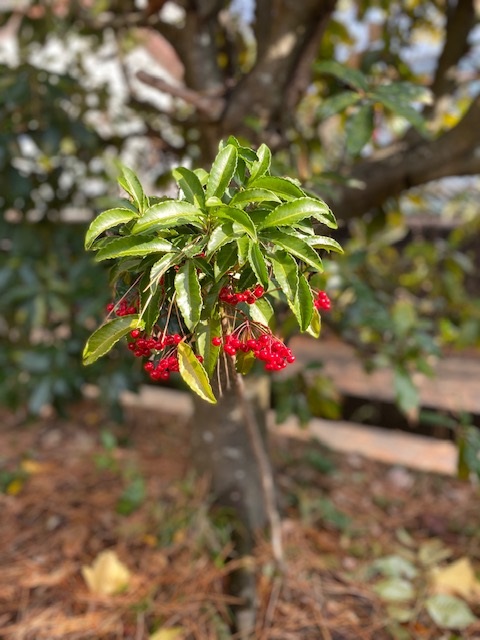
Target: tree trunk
{"x": 223, "y": 448}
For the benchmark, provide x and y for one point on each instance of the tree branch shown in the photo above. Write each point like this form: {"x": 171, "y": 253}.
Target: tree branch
{"x": 460, "y": 22}
{"x": 210, "y": 106}
{"x": 393, "y": 170}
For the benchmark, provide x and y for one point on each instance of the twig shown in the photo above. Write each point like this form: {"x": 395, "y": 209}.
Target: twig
{"x": 266, "y": 474}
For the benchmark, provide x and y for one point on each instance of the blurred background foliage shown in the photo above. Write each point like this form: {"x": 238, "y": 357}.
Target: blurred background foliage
{"x": 73, "y": 100}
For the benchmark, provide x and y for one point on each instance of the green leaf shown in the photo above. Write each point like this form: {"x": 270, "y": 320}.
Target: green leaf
{"x": 323, "y": 242}
{"x": 347, "y": 75}
{"x": 226, "y": 259}
{"x": 244, "y": 362}
{"x": 124, "y": 247}
{"x": 160, "y": 267}
{"x": 449, "y": 612}
{"x": 191, "y": 186}
{"x": 193, "y": 373}
{"x": 359, "y": 129}
{"x": 202, "y": 175}
{"x": 167, "y": 214}
{"x": 106, "y": 336}
{"x": 315, "y": 325}
{"x": 337, "y": 103}
{"x": 261, "y": 311}
{"x": 150, "y": 299}
{"x": 258, "y": 264}
{"x": 285, "y": 270}
{"x": 208, "y": 328}
{"x": 243, "y": 245}
{"x": 240, "y": 217}
{"x": 107, "y": 220}
{"x": 284, "y": 188}
{"x": 222, "y": 171}
{"x": 221, "y": 235}
{"x": 405, "y": 92}
{"x": 289, "y": 213}
{"x": 131, "y": 184}
{"x": 295, "y": 246}
{"x": 189, "y": 298}
{"x": 303, "y": 306}
{"x": 262, "y": 165}
{"x": 391, "y": 101}
{"x": 247, "y": 196}
{"x": 395, "y": 566}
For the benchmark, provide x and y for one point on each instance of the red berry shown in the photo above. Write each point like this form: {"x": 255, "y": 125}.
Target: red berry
{"x": 258, "y": 291}
{"x": 110, "y": 306}
{"x": 216, "y": 341}
{"x": 149, "y": 366}
{"x": 135, "y": 333}
{"x": 177, "y": 338}
{"x": 200, "y": 358}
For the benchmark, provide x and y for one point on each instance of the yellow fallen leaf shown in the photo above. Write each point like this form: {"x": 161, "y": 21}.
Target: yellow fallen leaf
{"x": 32, "y": 466}
{"x": 457, "y": 578}
{"x": 107, "y": 575}
{"x": 15, "y": 486}
{"x": 172, "y": 633}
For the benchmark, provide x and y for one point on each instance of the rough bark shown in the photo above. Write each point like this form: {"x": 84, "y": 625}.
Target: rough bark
{"x": 398, "y": 168}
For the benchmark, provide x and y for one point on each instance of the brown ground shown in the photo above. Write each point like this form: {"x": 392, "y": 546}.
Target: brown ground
{"x": 59, "y": 509}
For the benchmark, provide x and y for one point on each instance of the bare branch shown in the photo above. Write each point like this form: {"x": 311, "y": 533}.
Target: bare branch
{"x": 210, "y": 106}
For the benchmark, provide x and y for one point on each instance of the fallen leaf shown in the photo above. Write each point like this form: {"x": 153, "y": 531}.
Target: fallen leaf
{"x": 449, "y": 612}
{"x": 172, "y": 633}
{"x": 394, "y": 590}
{"x": 107, "y": 575}
{"x": 457, "y": 578}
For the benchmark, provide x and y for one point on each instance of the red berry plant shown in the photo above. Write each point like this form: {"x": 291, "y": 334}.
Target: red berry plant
{"x": 196, "y": 278}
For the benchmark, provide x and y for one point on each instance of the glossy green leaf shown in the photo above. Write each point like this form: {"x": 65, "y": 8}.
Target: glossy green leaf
{"x": 106, "y": 336}
{"x": 261, "y": 166}
{"x": 285, "y": 270}
{"x": 289, "y": 213}
{"x": 202, "y": 175}
{"x": 226, "y": 259}
{"x": 347, "y": 75}
{"x": 222, "y": 171}
{"x": 303, "y": 306}
{"x": 239, "y": 217}
{"x": 261, "y": 311}
{"x": 323, "y": 242}
{"x": 194, "y": 373}
{"x": 209, "y": 327}
{"x": 191, "y": 186}
{"x": 242, "y": 198}
{"x": 150, "y": 299}
{"x": 132, "y": 246}
{"x": 258, "y": 264}
{"x": 359, "y": 129}
{"x": 449, "y": 612}
{"x": 244, "y": 362}
{"x": 188, "y": 294}
{"x": 337, "y": 103}
{"x": 315, "y": 325}
{"x": 284, "y": 188}
{"x": 243, "y": 245}
{"x": 221, "y": 235}
{"x": 129, "y": 181}
{"x": 160, "y": 267}
{"x": 107, "y": 220}
{"x": 297, "y": 247}
{"x": 167, "y": 214}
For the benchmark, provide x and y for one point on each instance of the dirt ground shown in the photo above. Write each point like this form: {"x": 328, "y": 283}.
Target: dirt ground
{"x": 72, "y": 488}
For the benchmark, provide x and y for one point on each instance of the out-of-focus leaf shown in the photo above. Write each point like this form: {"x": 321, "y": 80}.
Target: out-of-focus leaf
{"x": 107, "y": 575}
{"x": 449, "y": 612}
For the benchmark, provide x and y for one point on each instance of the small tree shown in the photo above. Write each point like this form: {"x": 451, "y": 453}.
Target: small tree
{"x": 196, "y": 278}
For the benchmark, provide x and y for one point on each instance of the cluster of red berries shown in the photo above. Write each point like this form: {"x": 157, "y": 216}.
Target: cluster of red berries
{"x": 228, "y": 295}
{"x": 266, "y": 348}
{"x": 144, "y": 346}
{"x": 322, "y": 301}
{"x": 122, "y": 308}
